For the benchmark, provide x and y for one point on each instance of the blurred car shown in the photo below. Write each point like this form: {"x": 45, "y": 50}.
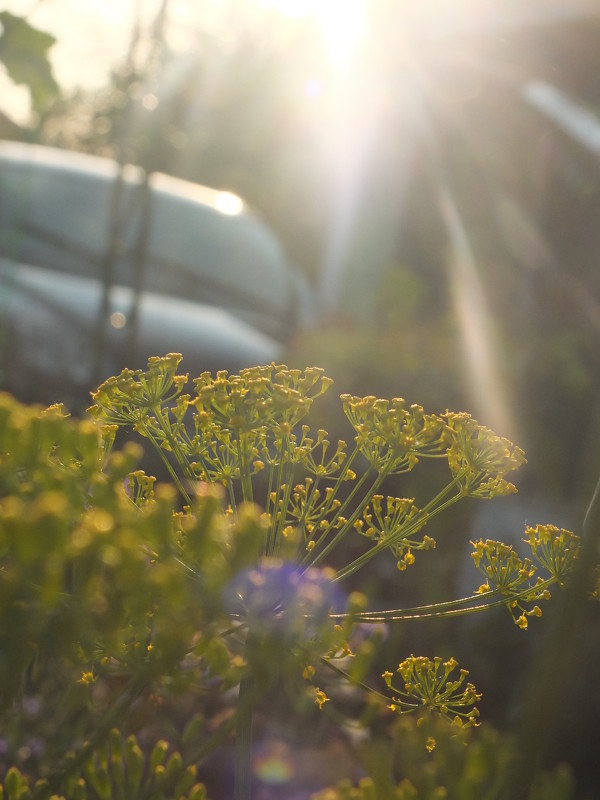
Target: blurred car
{"x": 102, "y": 266}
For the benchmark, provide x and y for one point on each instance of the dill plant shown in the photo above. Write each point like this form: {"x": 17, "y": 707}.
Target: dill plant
{"x": 154, "y": 589}
{"x": 237, "y": 427}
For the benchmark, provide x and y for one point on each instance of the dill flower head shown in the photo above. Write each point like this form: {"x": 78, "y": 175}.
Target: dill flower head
{"x": 479, "y": 459}
{"x": 391, "y": 436}
{"x": 430, "y": 687}
{"x": 554, "y": 549}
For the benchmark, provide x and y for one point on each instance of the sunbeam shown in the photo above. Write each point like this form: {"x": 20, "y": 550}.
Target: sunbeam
{"x": 474, "y": 320}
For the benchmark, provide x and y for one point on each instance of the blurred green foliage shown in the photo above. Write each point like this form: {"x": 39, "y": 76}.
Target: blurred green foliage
{"x": 24, "y": 55}
{"x": 96, "y": 616}
{"x": 467, "y": 767}
{"x": 117, "y": 770}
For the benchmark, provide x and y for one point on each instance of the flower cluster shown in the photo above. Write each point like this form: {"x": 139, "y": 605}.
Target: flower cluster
{"x": 554, "y": 549}
{"x": 394, "y": 521}
{"x": 127, "y": 398}
{"x": 311, "y": 511}
{"x": 391, "y": 436}
{"x": 479, "y": 459}
{"x": 518, "y": 580}
{"x": 428, "y": 688}
{"x": 511, "y": 577}
{"x": 268, "y": 396}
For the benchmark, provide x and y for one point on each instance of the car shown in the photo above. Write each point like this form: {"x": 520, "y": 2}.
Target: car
{"x": 103, "y": 266}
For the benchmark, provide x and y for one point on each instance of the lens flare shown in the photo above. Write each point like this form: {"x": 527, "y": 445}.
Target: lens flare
{"x": 275, "y": 596}
{"x": 274, "y": 764}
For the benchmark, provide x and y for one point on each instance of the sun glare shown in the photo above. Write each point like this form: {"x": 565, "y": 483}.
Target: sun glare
{"x": 342, "y": 23}
{"x": 228, "y": 203}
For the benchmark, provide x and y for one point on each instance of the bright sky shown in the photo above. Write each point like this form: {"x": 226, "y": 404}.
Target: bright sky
{"x": 93, "y": 34}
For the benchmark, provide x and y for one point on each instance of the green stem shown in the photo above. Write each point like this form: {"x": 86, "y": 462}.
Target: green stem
{"x": 231, "y": 494}
{"x": 353, "y": 681}
{"x": 169, "y": 467}
{"x": 282, "y": 518}
{"x": 245, "y": 476}
{"x": 243, "y": 742}
{"x": 449, "y": 608}
{"x": 365, "y": 615}
{"x": 173, "y": 442}
{"x": 279, "y": 508}
{"x": 285, "y": 478}
{"x": 270, "y": 513}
